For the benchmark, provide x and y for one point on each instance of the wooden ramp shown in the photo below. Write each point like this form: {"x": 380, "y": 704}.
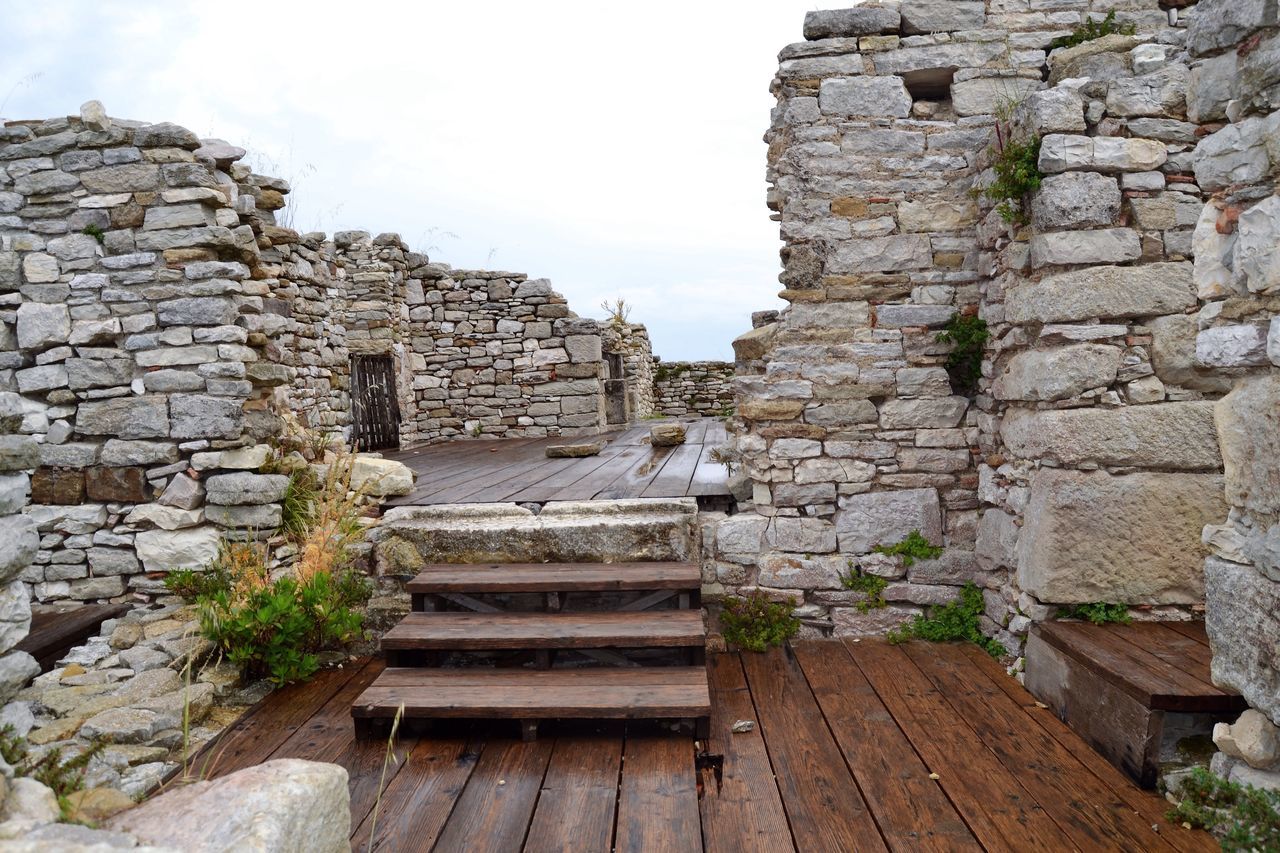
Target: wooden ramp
{"x": 494, "y": 471}
{"x": 460, "y": 608}
{"x": 1116, "y": 684}
{"x": 857, "y": 746}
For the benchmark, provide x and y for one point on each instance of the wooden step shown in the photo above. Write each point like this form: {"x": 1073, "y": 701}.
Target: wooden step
{"x": 639, "y": 693}
{"x": 555, "y": 577}
{"x": 479, "y": 631}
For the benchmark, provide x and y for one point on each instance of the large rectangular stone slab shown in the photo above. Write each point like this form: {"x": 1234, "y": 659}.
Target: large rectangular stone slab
{"x": 1106, "y": 292}
{"x": 1176, "y": 436}
{"x": 886, "y": 518}
{"x": 1248, "y": 422}
{"x": 1132, "y": 539}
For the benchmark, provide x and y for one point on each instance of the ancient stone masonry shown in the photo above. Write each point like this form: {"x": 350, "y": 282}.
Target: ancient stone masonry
{"x": 1234, "y": 91}
{"x": 683, "y": 388}
{"x": 629, "y": 390}
{"x": 1085, "y": 463}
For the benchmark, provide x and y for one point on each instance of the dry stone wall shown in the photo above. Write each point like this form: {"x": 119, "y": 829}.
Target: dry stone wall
{"x": 693, "y": 388}
{"x": 629, "y": 361}
{"x": 1234, "y": 91}
{"x": 1086, "y": 462}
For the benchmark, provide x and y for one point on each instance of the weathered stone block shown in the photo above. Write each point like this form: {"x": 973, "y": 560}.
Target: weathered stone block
{"x": 801, "y": 535}
{"x": 1242, "y": 618}
{"x": 859, "y": 21}
{"x": 201, "y": 416}
{"x": 1256, "y": 255}
{"x": 1054, "y": 374}
{"x": 1243, "y": 345}
{"x": 1076, "y": 200}
{"x": 57, "y": 486}
{"x": 1132, "y": 539}
{"x": 127, "y": 417}
{"x": 1248, "y": 428}
{"x": 885, "y": 97}
{"x": 1160, "y": 93}
{"x": 1064, "y": 152}
{"x": 1177, "y": 436}
{"x": 41, "y": 325}
{"x": 243, "y": 487}
{"x": 1103, "y": 246}
{"x": 166, "y": 550}
{"x": 1221, "y": 23}
{"x": 940, "y": 16}
{"x": 886, "y": 518}
{"x": 923, "y": 412}
{"x": 988, "y": 95}
{"x": 1106, "y": 292}
{"x": 125, "y": 484}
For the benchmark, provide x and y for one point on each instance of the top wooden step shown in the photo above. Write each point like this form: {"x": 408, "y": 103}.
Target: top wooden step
{"x": 1163, "y": 665}
{"x": 555, "y": 577}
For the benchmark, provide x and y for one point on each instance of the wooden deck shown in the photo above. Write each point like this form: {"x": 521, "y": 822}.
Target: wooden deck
{"x": 858, "y": 746}
{"x": 517, "y": 469}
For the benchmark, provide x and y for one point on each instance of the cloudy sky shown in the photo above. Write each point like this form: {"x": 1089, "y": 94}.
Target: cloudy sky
{"x": 613, "y": 148}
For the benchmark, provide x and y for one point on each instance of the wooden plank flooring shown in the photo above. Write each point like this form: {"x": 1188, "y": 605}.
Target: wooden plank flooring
{"x": 489, "y": 471}
{"x": 857, "y": 746}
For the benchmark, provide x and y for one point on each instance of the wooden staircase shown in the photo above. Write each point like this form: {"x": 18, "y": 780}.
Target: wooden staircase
{"x": 563, "y": 638}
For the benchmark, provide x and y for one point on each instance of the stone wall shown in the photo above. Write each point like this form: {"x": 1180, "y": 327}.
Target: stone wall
{"x": 699, "y": 388}
{"x": 629, "y": 344}
{"x": 1234, "y": 91}
{"x": 1083, "y": 465}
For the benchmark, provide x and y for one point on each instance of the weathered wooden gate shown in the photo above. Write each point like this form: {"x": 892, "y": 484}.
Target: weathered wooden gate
{"x": 374, "y": 410}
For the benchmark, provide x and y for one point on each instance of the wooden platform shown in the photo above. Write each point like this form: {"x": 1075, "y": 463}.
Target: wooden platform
{"x": 54, "y": 633}
{"x": 492, "y": 471}
{"x": 858, "y": 746}
{"x": 1115, "y": 684}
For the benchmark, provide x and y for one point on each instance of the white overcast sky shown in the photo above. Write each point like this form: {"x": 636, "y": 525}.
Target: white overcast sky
{"x": 614, "y": 148}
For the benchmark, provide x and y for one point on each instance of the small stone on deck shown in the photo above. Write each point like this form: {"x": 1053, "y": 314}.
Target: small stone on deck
{"x": 574, "y": 451}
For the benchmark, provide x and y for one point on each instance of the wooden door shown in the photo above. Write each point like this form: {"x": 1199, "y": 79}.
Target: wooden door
{"x": 374, "y": 409}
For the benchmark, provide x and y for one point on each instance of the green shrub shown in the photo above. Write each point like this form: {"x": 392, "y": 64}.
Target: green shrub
{"x": 298, "y": 506}
{"x": 755, "y": 623}
{"x": 63, "y": 777}
{"x": 955, "y": 621}
{"x": 1093, "y": 29}
{"x": 968, "y": 335}
{"x": 914, "y": 547}
{"x": 1017, "y": 168}
{"x": 95, "y": 232}
{"x": 1243, "y": 817}
{"x": 871, "y": 586}
{"x": 1099, "y": 613}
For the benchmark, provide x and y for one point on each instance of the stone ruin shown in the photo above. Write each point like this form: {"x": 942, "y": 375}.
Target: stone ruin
{"x": 1122, "y": 443}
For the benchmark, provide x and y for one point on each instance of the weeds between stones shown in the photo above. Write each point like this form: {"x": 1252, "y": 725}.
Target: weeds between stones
{"x": 755, "y": 623}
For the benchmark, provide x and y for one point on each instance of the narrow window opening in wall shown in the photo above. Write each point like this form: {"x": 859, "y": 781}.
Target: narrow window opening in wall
{"x": 929, "y": 84}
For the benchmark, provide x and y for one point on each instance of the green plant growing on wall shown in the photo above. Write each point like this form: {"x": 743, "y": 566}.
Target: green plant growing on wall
{"x": 95, "y": 232}
{"x": 1099, "y": 613}
{"x": 1093, "y": 29}
{"x": 1017, "y": 175}
{"x": 955, "y": 621}
{"x": 1243, "y": 817}
{"x": 967, "y": 335}
{"x": 755, "y": 623}
{"x": 618, "y": 311}
{"x": 871, "y": 586}
{"x": 913, "y": 547}
{"x": 62, "y": 776}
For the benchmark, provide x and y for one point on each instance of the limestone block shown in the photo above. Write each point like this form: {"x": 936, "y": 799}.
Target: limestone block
{"x": 897, "y": 316}
{"x": 882, "y": 97}
{"x": 1102, "y": 246}
{"x": 1109, "y": 154}
{"x": 940, "y": 16}
{"x": 164, "y": 517}
{"x": 166, "y": 550}
{"x": 1236, "y": 154}
{"x": 1173, "y": 355}
{"x": 255, "y": 516}
{"x": 997, "y": 540}
{"x": 1252, "y": 738}
{"x": 41, "y": 325}
{"x": 886, "y": 518}
{"x": 801, "y": 535}
{"x": 16, "y": 669}
{"x": 202, "y": 416}
{"x": 183, "y": 492}
{"x": 923, "y": 412}
{"x": 784, "y": 571}
{"x": 988, "y": 95}
{"x": 936, "y": 214}
{"x": 1248, "y": 429}
{"x": 1175, "y": 436}
{"x": 15, "y": 614}
{"x": 666, "y": 435}
{"x": 576, "y": 450}
{"x": 1102, "y": 59}
{"x": 1160, "y": 93}
{"x": 127, "y": 178}
{"x": 146, "y": 416}
{"x": 1166, "y": 210}
{"x": 1221, "y": 23}
{"x": 1242, "y": 617}
{"x": 850, "y": 622}
{"x": 1132, "y": 539}
{"x": 1108, "y": 292}
{"x": 1256, "y": 256}
{"x": 859, "y": 21}
{"x": 1243, "y": 345}
{"x": 243, "y": 487}
{"x": 1054, "y": 374}
{"x": 740, "y": 534}
{"x": 381, "y": 477}
{"x": 1211, "y": 85}
{"x": 1057, "y": 110}
{"x": 1076, "y": 200}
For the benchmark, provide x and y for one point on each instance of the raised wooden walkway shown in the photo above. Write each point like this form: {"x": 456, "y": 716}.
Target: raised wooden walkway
{"x": 517, "y": 469}
{"x": 858, "y": 746}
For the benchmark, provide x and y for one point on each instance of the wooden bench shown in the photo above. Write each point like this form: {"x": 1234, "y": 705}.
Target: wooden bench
{"x": 1116, "y": 685}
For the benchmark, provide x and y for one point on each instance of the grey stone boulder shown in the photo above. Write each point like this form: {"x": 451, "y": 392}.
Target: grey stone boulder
{"x": 1161, "y": 93}
{"x": 379, "y": 477}
{"x": 666, "y": 435}
{"x": 283, "y": 806}
{"x": 201, "y": 416}
{"x": 41, "y": 325}
{"x": 1242, "y": 617}
{"x": 146, "y": 416}
{"x": 576, "y": 450}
